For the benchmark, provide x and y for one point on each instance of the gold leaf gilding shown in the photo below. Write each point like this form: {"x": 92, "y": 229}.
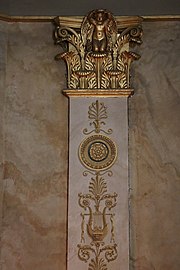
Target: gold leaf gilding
{"x": 97, "y": 153}
{"x": 100, "y": 56}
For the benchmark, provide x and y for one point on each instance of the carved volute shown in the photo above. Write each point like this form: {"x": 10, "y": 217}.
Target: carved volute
{"x": 98, "y": 49}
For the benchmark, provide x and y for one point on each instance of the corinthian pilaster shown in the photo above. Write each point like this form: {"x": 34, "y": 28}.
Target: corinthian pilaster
{"x": 98, "y": 56}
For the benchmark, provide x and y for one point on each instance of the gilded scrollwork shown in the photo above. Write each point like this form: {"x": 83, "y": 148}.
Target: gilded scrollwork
{"x": 101, "y": 57}
{"x": 97, "y": 154}
{"x": 97, "y": 205}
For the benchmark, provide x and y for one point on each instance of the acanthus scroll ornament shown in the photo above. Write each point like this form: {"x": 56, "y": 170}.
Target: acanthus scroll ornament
{"x": 97, "y": 153}
{"x": 97, "y": 225}
{"x": 98, "y": 53}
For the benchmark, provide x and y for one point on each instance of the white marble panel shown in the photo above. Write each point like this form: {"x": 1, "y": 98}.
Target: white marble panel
{"x": 117, "y": 120}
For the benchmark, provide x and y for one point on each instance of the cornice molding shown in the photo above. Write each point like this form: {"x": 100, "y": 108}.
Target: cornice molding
{"x": 122, "y": 21}
{"x": 161, "y": 18}
{"x": 26, "y": 19}
{"x": 78, "y": 19}
{"x": 98, "y": 92}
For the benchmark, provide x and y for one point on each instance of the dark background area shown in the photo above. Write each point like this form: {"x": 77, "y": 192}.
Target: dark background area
{"x": 81, "y": 7}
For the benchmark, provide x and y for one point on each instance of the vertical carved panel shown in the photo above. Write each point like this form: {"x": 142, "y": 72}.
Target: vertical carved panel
{"x": 97, "y": 154}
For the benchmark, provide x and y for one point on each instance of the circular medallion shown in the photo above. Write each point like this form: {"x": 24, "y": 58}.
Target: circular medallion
{"x": 97, "y": 152}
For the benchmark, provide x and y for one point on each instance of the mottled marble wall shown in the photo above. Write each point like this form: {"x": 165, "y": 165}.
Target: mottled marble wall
{"x": 33, "y": 153}
{"x": 3, "y": 49}
{"x": 154, "y": 144}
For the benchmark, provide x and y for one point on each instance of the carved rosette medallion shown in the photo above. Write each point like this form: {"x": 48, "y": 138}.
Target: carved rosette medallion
{"x": 97, "y": 152}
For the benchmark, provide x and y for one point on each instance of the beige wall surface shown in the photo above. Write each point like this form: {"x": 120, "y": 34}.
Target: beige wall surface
{"x": 154, "y": 156}
{"x": 34, "y": 149}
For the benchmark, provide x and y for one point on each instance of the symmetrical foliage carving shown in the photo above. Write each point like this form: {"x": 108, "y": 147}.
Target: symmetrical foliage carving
{"x": 97, "y": 112}
{"x": 98, "y": 55}
{"x": 97, "y": 153}
{"x": 97, "y": 205}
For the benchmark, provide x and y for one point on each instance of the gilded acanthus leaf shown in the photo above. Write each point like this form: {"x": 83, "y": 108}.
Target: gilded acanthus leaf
{"x": 97, "y": 112}
{"x": 100, "y": 45}
{"x": 92, "y": 83}
{"x": 122, "y": 40}
{"x": 107, "y": 63}
{"x": 122, "y": 81}
{"x": 105, "y": 82}
{"x": 110, "y": 252}
{"x": 97, "y": 264}
{"x": 90, "y": 62}
{"x": 84, "y": 252}
{"x": 74, "y": 82}
{"x": 97, "y": 187}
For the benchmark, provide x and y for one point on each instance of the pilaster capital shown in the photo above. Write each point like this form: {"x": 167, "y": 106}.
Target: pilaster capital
{"x": 98, "y": 52}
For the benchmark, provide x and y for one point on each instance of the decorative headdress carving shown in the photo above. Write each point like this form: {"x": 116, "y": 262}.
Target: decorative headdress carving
{"x": 98, "y": 55}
